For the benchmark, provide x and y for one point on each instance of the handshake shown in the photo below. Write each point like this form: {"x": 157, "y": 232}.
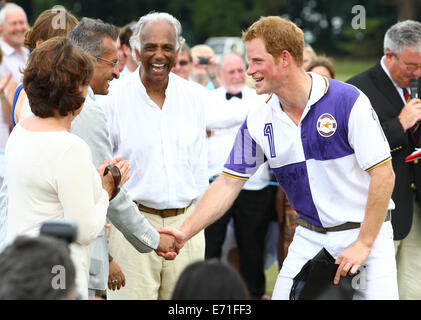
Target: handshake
{"x": 170, "y": 242}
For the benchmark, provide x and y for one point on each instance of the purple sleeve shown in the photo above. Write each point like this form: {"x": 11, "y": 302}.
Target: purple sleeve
{"x": 246, "y": 155}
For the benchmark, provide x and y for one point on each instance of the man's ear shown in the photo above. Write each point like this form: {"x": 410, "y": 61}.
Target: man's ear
{"x": 286, "y": 58}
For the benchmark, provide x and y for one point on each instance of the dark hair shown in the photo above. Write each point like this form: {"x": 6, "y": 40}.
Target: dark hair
{"x": 28, "y": 267}
{"x": 89, "y": 33}
{"x": 210, "y": 280}
{"x": 322, "y": 61}
{"x": 55, "y": 71}
{"x": 44, "y": 27}
{"x": 126, "y": 32}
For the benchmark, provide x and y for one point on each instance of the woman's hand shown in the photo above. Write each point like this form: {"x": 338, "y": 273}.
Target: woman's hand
{"x": 108, "y": 183}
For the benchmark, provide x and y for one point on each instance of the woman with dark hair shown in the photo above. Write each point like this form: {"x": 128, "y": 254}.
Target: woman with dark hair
{"x": 210, "y": 280}
{"x": 49, "y": 170}
{"x": 50, "y": 23}
{"x": 322, "y": 65}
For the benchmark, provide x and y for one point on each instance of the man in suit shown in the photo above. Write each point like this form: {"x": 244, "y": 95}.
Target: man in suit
{"x": 387, "y": 86}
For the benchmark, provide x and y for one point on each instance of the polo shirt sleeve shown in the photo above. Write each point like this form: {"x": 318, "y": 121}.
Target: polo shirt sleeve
{"x": 366, "y": 135}
{"x": 246, "y": 155}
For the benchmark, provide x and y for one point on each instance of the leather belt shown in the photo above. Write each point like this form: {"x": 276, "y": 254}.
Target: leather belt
{"x": 342, "y": 227}
{"x": 164, "y": 213}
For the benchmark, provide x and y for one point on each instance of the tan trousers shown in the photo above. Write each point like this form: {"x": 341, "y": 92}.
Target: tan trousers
{"x": 149, "y": 276}
{"x": 408, "y": 260}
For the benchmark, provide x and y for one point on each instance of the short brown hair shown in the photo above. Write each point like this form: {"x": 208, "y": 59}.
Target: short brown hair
{"x": 55, "y": 71}
{"x": 324, "y": 62}
{"x": 278, "y": 34}
{"x": 44, "y": 28}
{"x": 126, "y": 32}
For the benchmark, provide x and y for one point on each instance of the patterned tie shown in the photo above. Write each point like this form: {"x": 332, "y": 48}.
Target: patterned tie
{"x": 405, "y": 94}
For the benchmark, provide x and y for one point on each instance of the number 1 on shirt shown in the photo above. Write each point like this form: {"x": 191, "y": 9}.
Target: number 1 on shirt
{"x": 269, "y": 134}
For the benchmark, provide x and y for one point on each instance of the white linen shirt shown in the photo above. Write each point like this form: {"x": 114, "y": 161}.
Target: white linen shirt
{"x": 12, "y": 61}
{"x": 166, "y": 147}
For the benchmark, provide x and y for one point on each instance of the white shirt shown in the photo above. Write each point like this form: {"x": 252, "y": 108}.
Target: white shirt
{"x": 322, "y": 162}
{"x": 166, "y": 148}
{"x": 399, "y": 89}
{"x": 50, "y": 176}
{"x": 13, "y": 61}
{"x": 224, "y": 118}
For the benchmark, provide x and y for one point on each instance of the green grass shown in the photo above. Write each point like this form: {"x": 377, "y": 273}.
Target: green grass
{"x": 271, "y": 275}
{"x": 346, "y": 68}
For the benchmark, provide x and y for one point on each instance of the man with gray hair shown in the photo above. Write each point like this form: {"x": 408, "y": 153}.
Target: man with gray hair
{"x": 99, "y": 40}
{"x": 387, "y": 85}
{"x": 157, "y": 122}
{"x": 13, "y": 25}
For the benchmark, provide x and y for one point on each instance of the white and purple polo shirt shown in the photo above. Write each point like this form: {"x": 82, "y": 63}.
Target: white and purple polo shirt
{"x": 322, "y": 163}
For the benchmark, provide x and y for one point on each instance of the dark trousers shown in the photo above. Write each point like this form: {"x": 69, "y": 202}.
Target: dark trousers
{"x": 251, "y": 212}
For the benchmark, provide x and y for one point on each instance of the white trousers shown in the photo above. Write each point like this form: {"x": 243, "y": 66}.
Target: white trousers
{"x": 380, "y": 279}
{"x": 408, "y": 259}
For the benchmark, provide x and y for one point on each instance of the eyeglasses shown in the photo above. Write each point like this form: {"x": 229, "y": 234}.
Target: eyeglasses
{"x": 183, "y": 63}
{"x": 113, "y": 63}
{"x": 409, "y": 66}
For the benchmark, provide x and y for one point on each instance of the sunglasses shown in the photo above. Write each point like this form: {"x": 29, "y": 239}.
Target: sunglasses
{"x": 116, "y": 174}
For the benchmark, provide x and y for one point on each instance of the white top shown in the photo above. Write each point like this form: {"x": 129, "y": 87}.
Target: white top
{"x": 166, "y": 147}
{"x": 224, "y": 118}
{"x": 399, "y": 89}
{"x": 322, "y": 163}
{"x": 13, "y": 61}
{"x": 50, "y": 176}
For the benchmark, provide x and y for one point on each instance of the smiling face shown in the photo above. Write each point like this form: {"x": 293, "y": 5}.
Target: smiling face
{"x": 104, "y": 70}
{"x": 14, "y": 27}
{"x": 262, "y": 67}
{"x": 158, "y": 51}
{"x": 233, "y": 73}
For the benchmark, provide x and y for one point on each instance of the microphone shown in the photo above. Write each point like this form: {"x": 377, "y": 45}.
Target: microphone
{"x": 413, "y": 85}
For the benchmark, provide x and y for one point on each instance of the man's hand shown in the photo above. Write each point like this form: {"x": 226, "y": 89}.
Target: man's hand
{"x": 351, "y": 259}
{"x": 410, "y": 114}
{"x": 179, "y": 240}
{"x": 116, "y": 278}
{"x": 167, "y": 246}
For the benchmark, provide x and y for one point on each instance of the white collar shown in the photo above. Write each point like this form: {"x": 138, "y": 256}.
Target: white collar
{"x": 9, "y": 50}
